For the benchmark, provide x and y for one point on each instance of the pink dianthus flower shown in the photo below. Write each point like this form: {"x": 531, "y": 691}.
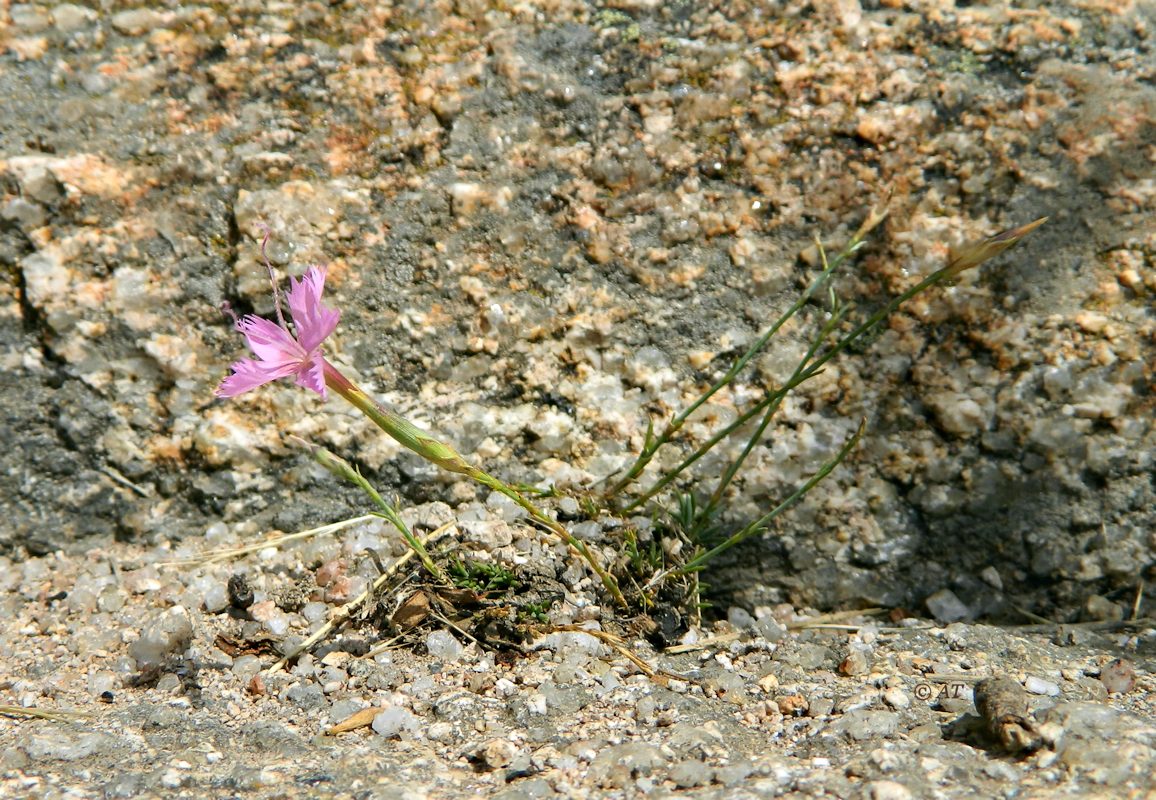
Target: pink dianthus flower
{"x": 280, "y": 353}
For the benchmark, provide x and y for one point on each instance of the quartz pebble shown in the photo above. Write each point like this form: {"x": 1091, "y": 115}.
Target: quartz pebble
{"x": 888, "y": 790}
{"x": 770, "y": 629}
{"x": 1118, "y": 676}
{"x": 167, "y": 634}
{"x": 946, "y": 607}
{"x": 739, "y": 617}
{"x": 896, "y": 698}
{"x": 1036, "y": 685}
{"x": 443, "y": 646}
{"x": 572, "y": 642}
{"x": 393, "y": 721}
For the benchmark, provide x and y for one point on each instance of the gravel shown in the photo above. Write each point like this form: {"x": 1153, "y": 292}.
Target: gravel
{"x": 545, "y": 224}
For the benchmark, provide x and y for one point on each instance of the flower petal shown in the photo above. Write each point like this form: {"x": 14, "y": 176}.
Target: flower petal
{"x": 313, "y": 320}
{"x": 249, "y": 374}
{"x": 270, "y": 342}
{"x": 311, "y": 375}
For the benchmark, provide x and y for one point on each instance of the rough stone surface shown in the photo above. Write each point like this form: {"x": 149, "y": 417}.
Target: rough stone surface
{"x": 546, "y": 221}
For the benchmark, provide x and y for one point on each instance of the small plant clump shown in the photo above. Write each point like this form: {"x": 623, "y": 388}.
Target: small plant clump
{"x": 481, "y": 577}
{"x": 656, "y": 577}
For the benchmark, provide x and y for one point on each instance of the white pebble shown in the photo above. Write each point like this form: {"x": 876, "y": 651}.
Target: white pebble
{"x": 215, "y": 596}
{"x": 394, "y": 721}
{"x": 168, "y": 633}
{"x": 570, "y": 643}
{"x": 1036, "y": 685}
{"x": 536, "y": 703}
{"x": 443, "y": 646}
{"x": 277, "y": 623}
{"x": 888, "y": 790}
{"x": 315, "y": 612}
{"x": 896, "y": 698}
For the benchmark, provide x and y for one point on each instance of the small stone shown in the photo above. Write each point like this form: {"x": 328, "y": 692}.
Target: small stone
{"x": 886, "y": 759}
{"x": 64, "y": 745}
{"x": 394, "y": 721}
{"x": 168, "y": 633}
{"x": 494, "y": 754}
{"x": 169, "y": 683}
{"x": 589, "y": 531}
{"x": 990, "y": 575}
{"x": 13, "y": 758}
{"x": 215, "y": 597}
{"x": 1088, "y": 721}
{"x": 271, "y": 736}
{"x": 138, "y": 21}
{"x": 307, "y": 696}
{"x": 570, "y": 642}
{"x": 770, "y": 629}
{"x": 534, "y": 705}
{"x": 1119, "y": 676}
{"x": 29, "y": 18}
{"x": 739, "y": 617}
{"x": 443, "y": 646}
{"x": 929, "y": 732}
{"x": 102, "y": 681}
{"x": 1001, "y": 771}
{"x": 821, "y": 707}
{"x": 315, "y": 612}
{"x": 26, "y": 214}
{"x": 946, "y": 607}
{"x": 896, "y": 698}
{"x": 807, "y": 656}
{"x": 42, "y": 186}
{"x": 953, "y": 705}
{"x": 733, "y": 774}
{"x": 45, "y": 278}
{"x": 864, "y": 724}
{"x": 342, "y": 710}
{"x": 565, "y": 699}
{"x": 485, "y": 535}
{"x": 689, "y": 774}
{"x": 958, "y": 414}
{"x": 1101, "y": 609}
{"x": 246, "y": 666}
{"x": 888, "y": 790}
{"x": 1035, "y": 685}
{"x": 638, "y": 757}
{"x": 440, "y": 732}
{"x": 69, "y": 18}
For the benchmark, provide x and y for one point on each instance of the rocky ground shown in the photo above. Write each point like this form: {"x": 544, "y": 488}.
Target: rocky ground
{"x": 545, "y": 223}
{"x": 170, "y": 684}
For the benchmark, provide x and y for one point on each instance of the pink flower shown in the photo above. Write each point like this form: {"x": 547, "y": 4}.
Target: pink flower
{"x": 279, "y": 354}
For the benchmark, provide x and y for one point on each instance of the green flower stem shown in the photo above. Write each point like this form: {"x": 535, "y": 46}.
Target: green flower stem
{"x": 654, "y": 443}
{"x": 420, "y": 442}
{"x": 768, "y": 405}
{"x": 733, "y": 470}
{"x": 967, "y": 258}
{"x": 343, "y": 469}
{"x": 700, "y": 560}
